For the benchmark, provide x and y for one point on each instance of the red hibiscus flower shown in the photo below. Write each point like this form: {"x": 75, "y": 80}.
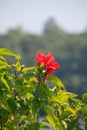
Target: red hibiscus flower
{"x": 48, "y": 61}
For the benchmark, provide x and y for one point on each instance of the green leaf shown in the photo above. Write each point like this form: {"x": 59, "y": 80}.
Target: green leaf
{"x": 63, "y": 125}
{"x": 33, "y": 126}
{"x": 3, "y": 67}
{"x": 35, "y": 106}
{"x": 3, "y": 63}
{"x": 84, "y": 110}
{"x": 2, "y": 59}
{"x": 65, "y": 115}
{"x": 53, "y": 122}
{"x": 72, "y": 124}
{"x": 18, "y": 58}
{"x": 4, "y": 115}
{"x": 18, "y": 66}
{"x": 71, "y": 95}
{"x": 56, "y": 81}
{"x": 3, "y": 112}
{"x": 4, "y": 51}
{"x": 29, "y": 95}
{"x": 51, "y": 118}
{"x": 49, "y": 110}
{"x": 84, "y": 97}
{"x": 28, "y": 69}
{"x": 23, "y": 107}
{"x": 77, "y": 101}
{"x": 43, "y": 125}
{"x": 1, "y": 94}
{"x": 62, "y": 96}
{"x": 5, "y": 82}
{"x": 12, "y": 105}
{"x": 44, "y": 92}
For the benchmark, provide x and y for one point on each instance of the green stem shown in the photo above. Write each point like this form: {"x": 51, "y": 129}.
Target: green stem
{"x": 37, "y": 94}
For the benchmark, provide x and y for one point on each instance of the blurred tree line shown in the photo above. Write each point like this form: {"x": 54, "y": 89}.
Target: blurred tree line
{"x": 70, "y": 50}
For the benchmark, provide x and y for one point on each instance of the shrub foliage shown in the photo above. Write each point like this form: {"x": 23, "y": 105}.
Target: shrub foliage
{"x": 24, "y": 94}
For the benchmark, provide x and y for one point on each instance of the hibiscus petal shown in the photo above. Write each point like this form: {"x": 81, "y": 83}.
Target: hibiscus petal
{"x": 49, "y": 72}
{"x": 40, "y": 58}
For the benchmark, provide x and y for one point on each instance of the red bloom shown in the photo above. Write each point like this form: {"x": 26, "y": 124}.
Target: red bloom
{"x": 48, "y": 61}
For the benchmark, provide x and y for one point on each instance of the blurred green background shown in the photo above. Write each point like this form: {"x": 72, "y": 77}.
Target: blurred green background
{"x": 69, "y": 46}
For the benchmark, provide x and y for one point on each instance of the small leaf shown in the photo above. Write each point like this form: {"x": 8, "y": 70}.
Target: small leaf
{"x": 29, "y": 95}
{"x": 35, "y": 106}
{"x": 44, "y": 125}
{"x": 3, "y": 63}
{"x": 62, "y": 96}
{"x": 71, "y": 95}
{"x": 23, "y": 107}
{"x": 33, "y": 126}
{"x": 5, "y": 82}
{"x": 18, "y": 66}
{"x": 3, "y": 112}
{"x": 2, "y": 59}
{"x": 72, "y": 124}
{"x": 44, "y": 92}
{"x": 12, "y": 105}
{"x": 4, "y": 51}
{"x": 18, "y": 58}
{"x": 84, "y": 110}
{"x": 65, "y": 115}
{"x": 49, "y": 110}
{"x": 1, "y": 94}
{"x": 4, "y": 115}
{"x": 54, "y": 122}
{"x": 56, "y": 81}
{"x": 28, "y": 69}
{"x": 84, "y": 97}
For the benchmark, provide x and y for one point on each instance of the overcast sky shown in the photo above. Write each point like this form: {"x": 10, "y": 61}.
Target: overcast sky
{"x": 32, "y": 14}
